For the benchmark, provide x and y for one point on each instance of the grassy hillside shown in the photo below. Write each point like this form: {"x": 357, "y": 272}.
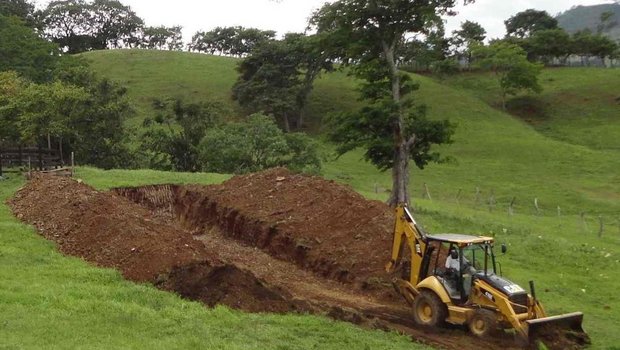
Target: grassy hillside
{"x": 55, "y": 302}
{"x": 580, "y": 106}
{"x": 561, "y": 165}
{"x": 163, "y": 74}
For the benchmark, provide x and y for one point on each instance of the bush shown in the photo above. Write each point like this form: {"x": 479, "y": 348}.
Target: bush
{"x": 255, "y": 145}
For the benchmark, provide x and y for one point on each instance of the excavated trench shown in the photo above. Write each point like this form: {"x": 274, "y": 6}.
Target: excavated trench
{"x": 266, "y": 242}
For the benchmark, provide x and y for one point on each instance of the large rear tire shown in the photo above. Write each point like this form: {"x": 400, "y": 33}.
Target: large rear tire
{"x": 429, "y": 310}
{"x": 483, "y": 323}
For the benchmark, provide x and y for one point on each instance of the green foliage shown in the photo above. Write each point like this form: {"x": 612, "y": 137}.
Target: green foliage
{"x": 527, "y": 22}
{"x": 23, "y": 51}
{"x": 470, "y": 35}
{"x": 586, "y": 43}
{"x": 173, "y": 135}
{"x": 11, "y": 86}
{"x": 82, "y": 112}
{"x": 78, "y": 26}
{"x": 278, "y": 75}
{"x": 370, "y": 129}
{"x": 550, "y": 43}
{"x": 46, "y": 109}
{"x": 510, "y": 65}
{"x": 370, "y": 35}
{"x": 235, "y": 41}
{"x": 162, "y": 38}
{"x": 22, "y": 9}
{"x": 254, "y": 145}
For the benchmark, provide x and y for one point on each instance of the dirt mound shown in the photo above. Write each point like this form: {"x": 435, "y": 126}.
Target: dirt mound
{"x": 111, "y": 231}
{"x": 229, "y": 285}
{"x": 321, "y": 225}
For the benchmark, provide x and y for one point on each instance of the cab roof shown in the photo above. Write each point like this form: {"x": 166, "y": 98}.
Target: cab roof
{"x": 459, "y": 238}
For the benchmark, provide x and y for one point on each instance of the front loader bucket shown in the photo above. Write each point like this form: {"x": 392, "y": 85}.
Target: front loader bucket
{"x": 559, "y": 332}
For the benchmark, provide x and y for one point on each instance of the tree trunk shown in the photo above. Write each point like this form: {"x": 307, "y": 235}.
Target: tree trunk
{"x": 287, "y": 125}
{"x": 40, "y": 154}
{"x": 400, "y": 170}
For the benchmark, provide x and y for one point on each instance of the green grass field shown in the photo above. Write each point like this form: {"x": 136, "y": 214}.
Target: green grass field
{"x": 578, "y": 105}
{"x": 563, "y": 161}
{"x": 55, "y": 302}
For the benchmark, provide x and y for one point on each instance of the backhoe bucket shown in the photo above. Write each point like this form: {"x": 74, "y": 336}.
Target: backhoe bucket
{"x": 561, "y": 329}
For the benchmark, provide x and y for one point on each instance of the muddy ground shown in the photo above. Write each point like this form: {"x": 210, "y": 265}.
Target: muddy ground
{"x": 266, "y": 242}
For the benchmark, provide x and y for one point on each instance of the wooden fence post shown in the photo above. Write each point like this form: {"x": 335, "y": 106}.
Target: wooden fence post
{"x": 536, "y": 206}
{"x": 72, "y": 164}
{"x": 601, "y": 226}
{"x": 428, "y": 193}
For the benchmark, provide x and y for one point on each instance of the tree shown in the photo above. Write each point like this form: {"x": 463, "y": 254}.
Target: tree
{"x": 11, "y": 85}
{"x": 254, "y": 145}
{"x": 23, "y": 51}
{"x": 175, "y": 133}
{"x": 162, "y": 38}
{"x": 509, "y": 64}
{"x": 19, "y": 8}
{"x": 78, "y": 26}
{"x": 370, "y": 34}
{"x": 98, "y": 134}
{"x": 234, "y": 41}
{"x": 550, "y": 43}
{"x": 45, "y": 110}
{"x": 113, "y": 24}
{"x": 470, "y": 34}
{"x": 525, "y": 23}
{"x": 278, "y": 75}
{"x": 587, "y": 44}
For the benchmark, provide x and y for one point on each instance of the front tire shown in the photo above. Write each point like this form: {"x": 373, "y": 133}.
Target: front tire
{"x": 483, "y": 323}
{"x": 429, "y": 310}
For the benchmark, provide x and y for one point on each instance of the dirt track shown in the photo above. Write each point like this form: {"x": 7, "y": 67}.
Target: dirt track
{"x": 271, "y": 241}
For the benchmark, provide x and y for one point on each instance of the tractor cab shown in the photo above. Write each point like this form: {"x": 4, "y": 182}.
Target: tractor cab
{"x": 458, "y": 260}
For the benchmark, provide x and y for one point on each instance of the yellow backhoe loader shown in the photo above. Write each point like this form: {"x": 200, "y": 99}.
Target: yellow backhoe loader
{"x": 454, "y": 278}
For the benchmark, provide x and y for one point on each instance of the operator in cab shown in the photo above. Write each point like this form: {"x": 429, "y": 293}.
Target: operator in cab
{"x": 453, "y": 269}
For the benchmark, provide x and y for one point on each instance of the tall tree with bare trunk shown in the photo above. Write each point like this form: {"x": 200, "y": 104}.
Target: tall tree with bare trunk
{"x": 368, "y": 34}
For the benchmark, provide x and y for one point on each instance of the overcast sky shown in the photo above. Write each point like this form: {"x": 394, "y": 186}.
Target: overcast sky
{"x": 291, "y": 15}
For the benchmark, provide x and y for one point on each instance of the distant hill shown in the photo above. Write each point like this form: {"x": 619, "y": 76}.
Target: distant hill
{"x": 582, "y": 17}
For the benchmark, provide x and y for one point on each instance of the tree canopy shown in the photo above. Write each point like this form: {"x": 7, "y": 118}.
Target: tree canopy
{"x": 25, "y": 52}
{"x": 527, "y": 22}
{"x": 77, "y": 25}
{"x": 390, "y": 128}
{"x": 277, "y": 77}
{"x": 510, "y": 65}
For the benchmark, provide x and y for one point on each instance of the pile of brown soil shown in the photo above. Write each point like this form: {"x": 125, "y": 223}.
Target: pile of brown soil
{"x": 319, "y": 224}
{"x": 111, "y": 231}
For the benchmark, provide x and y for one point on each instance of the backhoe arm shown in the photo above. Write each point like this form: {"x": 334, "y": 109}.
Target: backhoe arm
{"x": 407, "y": 230}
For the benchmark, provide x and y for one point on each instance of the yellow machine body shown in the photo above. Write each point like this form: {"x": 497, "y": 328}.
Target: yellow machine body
{"x": 484, "y": 298}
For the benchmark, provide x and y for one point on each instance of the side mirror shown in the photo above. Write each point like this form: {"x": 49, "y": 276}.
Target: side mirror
{"x": 504, "y": 248}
